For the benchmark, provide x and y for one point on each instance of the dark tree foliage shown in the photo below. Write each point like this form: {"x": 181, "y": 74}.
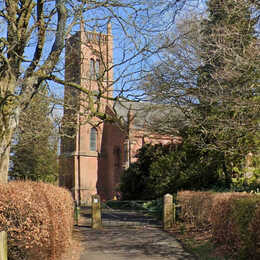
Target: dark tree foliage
{"x": 162, "y": 169}
{"x": 135, "y": 180}
{"x": 34, "y": 149}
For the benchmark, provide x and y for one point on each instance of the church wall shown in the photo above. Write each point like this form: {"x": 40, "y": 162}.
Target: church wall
{"x": 111, "y": 161}
{"x": 88, "y": 161}
{"x": 140, "y": 137}
{"x": 78, "y": 164}
{"x": 88, "y": 178}
{"x": 66, "y": 166}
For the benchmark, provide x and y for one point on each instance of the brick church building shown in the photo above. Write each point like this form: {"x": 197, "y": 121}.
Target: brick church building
{"x": 95, "y": 155}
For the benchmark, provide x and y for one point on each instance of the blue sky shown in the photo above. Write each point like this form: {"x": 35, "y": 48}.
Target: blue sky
{"x": 134, "y": 29}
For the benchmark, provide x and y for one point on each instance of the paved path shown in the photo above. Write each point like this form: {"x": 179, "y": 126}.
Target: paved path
{"x": 127, "y": 235}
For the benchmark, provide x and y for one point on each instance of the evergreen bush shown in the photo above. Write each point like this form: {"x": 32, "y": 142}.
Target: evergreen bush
{"x": 162, "y": 169}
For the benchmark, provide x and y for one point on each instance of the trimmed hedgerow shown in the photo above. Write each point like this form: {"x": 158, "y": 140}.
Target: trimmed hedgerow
{"x": 233, "y": 218}
{"x": 195, "y": 207}
{"x": 234, "y": 226}
{"x": 38, "y": 218}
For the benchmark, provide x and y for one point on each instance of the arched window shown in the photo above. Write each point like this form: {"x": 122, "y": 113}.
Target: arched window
{"x": 92, "y": 69}
{"x": 97, "y": 67}
{"x": 93, "y": 139}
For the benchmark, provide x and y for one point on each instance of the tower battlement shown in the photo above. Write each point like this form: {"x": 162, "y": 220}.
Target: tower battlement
{"x": 95, "y": 37}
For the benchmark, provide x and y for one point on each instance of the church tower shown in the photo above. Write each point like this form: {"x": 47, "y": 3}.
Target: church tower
{"x": 88, "y": 62}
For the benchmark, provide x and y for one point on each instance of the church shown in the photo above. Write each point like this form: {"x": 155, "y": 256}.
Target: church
{"x": 94, "y": 152}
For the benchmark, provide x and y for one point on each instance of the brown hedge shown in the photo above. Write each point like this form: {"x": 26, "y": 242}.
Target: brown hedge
{"x": 235, "y": 226}
{"x": 195, "y": 207}
{"x": 38, "y": 218}
{"x": 233, "y": 218}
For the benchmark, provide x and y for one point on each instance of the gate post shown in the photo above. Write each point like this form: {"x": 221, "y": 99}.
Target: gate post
{"x": 167, "y": 211}
{"x": 76, "y": 213}
{"x": 96, "y": 212}
{"x": 3, "y": 245}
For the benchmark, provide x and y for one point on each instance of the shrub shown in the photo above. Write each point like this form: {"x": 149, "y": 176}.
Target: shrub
{"x": 132, "y": 184}
{"x": 137, "y": 182}
{"x": 154, "y": 208}
{"x": 38, "y": 218}
{"x": 255, "y": 230}
{"x": 162, "y": 169}
{"x": 246, "y": 184}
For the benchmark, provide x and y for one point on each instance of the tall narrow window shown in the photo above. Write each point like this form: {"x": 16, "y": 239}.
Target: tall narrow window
{"x": 93, "y": 139}
{"x": 117, "y": 156}
{"x": 126, "y": 152}
{"x": 97, "y": 67}
{"x": 92, "y": 69}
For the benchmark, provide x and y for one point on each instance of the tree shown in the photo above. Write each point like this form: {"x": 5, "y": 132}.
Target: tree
{"x": 33, "y": 40}
{"x": 214, "y": 79}
{"x": 34, "y": 150}
{"x": 229, "y": 76}
{"x": 137, "y": 181}
{"x": 162, "y": 169}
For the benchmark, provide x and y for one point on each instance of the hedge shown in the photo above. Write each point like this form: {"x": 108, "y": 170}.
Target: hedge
{"x": 38, "y": 218}
{"x": 235, "y": 226}
{"x": 233, "y": 218}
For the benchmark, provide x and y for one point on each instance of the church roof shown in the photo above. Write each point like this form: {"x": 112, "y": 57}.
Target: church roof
{"x": 143, "y": 114}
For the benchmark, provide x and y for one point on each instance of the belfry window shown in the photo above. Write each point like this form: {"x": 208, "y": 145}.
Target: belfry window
{"x": 92, "y": 69}
{"x": 97, "y": 68}
{"x": 93, "y": 139}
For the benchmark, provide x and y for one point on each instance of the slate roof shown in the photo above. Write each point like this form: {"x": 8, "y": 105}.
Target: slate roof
{"x": 144, "y": 112}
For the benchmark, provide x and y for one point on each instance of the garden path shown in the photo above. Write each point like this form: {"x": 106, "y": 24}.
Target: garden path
{"x": 127, "y": 235}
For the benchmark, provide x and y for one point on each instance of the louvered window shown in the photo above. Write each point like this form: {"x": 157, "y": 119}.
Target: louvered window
{"x": 92, "y": 69}
{"x": 97, "y": 67}
{"x": 93, "y": 139}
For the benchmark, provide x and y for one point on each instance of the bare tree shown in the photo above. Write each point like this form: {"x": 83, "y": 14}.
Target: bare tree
{"x": 211, "y": 75}
{"x": 33, "y": 40}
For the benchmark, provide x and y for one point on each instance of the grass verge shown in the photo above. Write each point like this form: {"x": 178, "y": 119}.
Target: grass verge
{"x": 197, "y": 242}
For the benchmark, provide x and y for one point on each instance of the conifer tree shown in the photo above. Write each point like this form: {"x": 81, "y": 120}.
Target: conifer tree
{"x": 34, "y": 149}
{"x": 228, "y": 102}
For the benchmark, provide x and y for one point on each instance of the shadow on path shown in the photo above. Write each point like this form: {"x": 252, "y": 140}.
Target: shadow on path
{"x": 112, "y": 217}
{"x": 127, "y": 235}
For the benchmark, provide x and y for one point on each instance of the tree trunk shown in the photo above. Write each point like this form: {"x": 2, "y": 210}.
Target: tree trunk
{"x": 9, "y": 115}
{"x": 4, "y": 159}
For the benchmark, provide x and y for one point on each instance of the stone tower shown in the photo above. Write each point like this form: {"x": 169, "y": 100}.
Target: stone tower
{"x": 89, "y": 59}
